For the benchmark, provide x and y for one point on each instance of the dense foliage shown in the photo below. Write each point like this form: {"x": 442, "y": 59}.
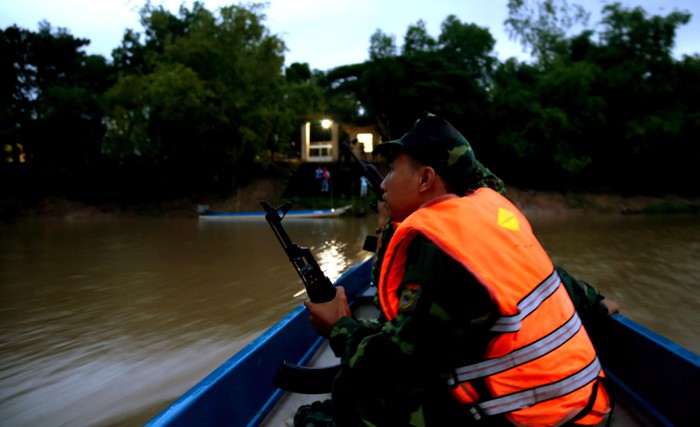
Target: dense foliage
{"x": 199, "y": 98}
{"x": 200, "y": 101}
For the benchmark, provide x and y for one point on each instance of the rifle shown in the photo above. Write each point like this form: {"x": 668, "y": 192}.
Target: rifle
{"x": 375, "y": 179}
{"x": 318, "y": 286}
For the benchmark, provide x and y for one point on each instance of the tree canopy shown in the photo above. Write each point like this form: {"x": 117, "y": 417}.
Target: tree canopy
{"x": 204, "y": 101}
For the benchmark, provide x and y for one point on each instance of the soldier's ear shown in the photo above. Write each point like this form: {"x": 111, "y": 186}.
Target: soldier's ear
{"x": 427, "y": 177}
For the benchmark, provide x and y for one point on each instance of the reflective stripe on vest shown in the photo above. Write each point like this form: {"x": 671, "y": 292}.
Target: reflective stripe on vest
{"x": 515, "y": 401}
{"x": 528, "y": 305}
{"x": 518, "y": 357}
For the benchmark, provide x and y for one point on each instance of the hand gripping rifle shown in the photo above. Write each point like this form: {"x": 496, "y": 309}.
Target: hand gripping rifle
{"x": 318, "y": 286}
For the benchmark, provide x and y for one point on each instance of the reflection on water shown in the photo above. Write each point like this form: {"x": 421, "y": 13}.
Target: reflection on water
{"x": 330, "y": 258}
{"x": 104, "y": 322}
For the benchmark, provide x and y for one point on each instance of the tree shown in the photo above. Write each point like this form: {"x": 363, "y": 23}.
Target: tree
{"x": 207, "y": 105}
{"x": 602, "y": 113}
{"x": 17, "y": 86}
{"x": 51, "y": 110}
{"x": 448, "y": 77}
{"x": 642, "y": 91}
{"x": 542, "y": 25}
{"x": 417, "y": 39}
{"x": 130, "y": 56}
{"x": 547, "y": 120}
{"x": 381, "y": 46}
{"x": 298, "y": 73}
{"x": 468, "y": 45}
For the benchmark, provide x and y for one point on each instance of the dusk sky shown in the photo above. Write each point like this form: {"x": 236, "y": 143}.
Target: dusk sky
{"x": 323, "y": 33}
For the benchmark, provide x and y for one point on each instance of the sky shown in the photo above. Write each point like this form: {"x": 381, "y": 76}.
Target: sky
{"x": 322, "y": 33}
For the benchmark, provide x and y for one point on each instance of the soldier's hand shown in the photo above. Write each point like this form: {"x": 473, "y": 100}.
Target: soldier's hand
{"x": 611, "y": 305}
{"x": 324, "y": 315}
{"x": 383, "y": 208}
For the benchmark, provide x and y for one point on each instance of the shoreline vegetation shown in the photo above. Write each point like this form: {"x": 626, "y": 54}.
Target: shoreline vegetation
{"x": 247, "y": 199}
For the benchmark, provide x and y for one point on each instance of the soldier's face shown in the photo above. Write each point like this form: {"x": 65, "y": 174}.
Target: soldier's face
{"x": 401, "y": 187}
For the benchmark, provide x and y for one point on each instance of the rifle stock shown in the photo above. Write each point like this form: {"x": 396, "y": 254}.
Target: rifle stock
{"x": 300, "y": 379}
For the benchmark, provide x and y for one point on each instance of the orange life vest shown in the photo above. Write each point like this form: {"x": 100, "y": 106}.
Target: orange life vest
{"x": 540, "y": 368}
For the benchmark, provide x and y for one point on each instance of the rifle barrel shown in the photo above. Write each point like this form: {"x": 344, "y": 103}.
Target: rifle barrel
{"x": 369, "y": 170}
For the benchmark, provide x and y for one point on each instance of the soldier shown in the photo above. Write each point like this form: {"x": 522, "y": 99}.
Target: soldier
{"x": 477, "y": 324}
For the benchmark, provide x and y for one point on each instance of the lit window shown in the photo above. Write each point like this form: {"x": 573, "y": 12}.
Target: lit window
{"x": 366, "y": 139}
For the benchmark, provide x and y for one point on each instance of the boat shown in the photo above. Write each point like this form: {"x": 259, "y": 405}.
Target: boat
{"x": 292, "y": 214}
{"x": 653, "y": 381}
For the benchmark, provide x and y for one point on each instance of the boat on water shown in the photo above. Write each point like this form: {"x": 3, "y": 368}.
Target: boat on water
{"x": 653, "y": 381}
{"x": 292, "y": 214}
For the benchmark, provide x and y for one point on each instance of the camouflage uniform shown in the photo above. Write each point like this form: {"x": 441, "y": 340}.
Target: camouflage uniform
{"x": 395, "y": 373}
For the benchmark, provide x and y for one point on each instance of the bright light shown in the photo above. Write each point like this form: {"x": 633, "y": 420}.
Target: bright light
{"x": 326, "y": 124}
{"x": 367, "y": 140}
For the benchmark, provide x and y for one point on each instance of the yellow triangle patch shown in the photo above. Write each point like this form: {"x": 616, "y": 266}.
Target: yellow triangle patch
{"x": 508, "y": 220}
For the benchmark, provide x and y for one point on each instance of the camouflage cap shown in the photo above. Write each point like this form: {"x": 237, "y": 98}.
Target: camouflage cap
{"x": 436, "y": 143}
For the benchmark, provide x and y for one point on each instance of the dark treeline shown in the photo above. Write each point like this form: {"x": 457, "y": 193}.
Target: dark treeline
{"x": 200, "y": 102}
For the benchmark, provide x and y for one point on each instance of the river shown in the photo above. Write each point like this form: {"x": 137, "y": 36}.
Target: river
{"x": 105, "y": 321}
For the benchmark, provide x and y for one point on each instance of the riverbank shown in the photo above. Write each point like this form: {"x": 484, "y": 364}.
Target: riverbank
{"x": 549, "y": 202}
{"x": 531, "y": 202}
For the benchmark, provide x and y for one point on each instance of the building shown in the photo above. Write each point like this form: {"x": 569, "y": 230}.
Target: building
{"x": 320, "y": 140}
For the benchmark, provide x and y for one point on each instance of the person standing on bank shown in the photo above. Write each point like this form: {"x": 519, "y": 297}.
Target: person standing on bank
{"x": 479, "y": 328}
{"x": 325, "y": 184}
{"x": 364, "y": 183}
